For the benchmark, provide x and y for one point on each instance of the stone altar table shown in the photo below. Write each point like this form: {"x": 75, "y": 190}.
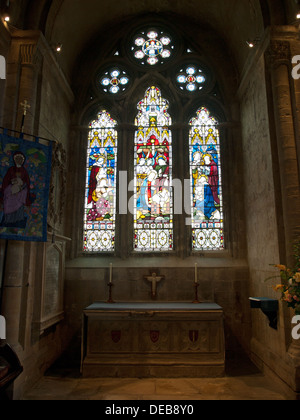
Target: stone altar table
{"x": 143, "y": 339}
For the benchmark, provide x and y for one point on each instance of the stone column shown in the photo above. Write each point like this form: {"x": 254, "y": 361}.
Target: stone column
{"x": 30, "y": 69}
{"x": 278, "y": 60}
{"x": 24, "y": 67}
{"x": 279, "y": 64}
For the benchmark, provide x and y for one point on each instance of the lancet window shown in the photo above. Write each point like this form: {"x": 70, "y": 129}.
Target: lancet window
{"x": 100, "y": 196}
{"x": 206, "y": 183}
{"x": 153, "y": 200}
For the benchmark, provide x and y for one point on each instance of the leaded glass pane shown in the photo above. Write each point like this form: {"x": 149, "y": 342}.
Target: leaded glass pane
{"x": 152, "y": 47}
{"x": 153, "y": 198}
{"x": 100, "y": 197}
{"x": 191, "y": 79}
{"x": 206, "y": 183}
{"x": 114, "y": 81}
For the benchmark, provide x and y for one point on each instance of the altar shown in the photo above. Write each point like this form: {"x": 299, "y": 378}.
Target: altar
{"x": 151, "y": 339}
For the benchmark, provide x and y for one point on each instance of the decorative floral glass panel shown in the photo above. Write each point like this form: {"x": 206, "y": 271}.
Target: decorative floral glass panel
{"x": 153, "y": 199}
{"x": 206, "y": 185}
{"x": 100, "y": 197}
{"x": 114, "y": 81}
{"x": 191, "y": 79}
{"x": 152, "y": 47}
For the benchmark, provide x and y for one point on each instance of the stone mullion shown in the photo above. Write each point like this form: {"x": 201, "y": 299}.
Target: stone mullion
{"x": 124, "y": 222}
{"x": 183, "y": 153}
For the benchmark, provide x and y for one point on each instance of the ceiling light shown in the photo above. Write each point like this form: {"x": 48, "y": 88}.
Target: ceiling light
{"x": 253, "y": 43}
{"x": 58, "y": 48}
{"x": 298, "y": 15}
{"x": 6, "y": 18}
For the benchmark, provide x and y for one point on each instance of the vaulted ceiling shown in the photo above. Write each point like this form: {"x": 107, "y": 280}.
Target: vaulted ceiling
{"x": 76, "y": 23}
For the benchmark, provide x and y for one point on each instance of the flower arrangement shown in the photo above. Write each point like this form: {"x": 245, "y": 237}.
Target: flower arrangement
{"x": 290, "y": 282}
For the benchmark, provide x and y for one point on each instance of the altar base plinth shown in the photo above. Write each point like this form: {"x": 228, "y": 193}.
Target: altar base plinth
{"x": 166, "y": 340}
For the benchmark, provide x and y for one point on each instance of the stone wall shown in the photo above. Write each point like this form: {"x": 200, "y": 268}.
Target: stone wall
{"x": 33, "y": 74}
{"x": 224, "y": 282}
{"x": 262, "y": 234}
{"x": 268, "y": 148}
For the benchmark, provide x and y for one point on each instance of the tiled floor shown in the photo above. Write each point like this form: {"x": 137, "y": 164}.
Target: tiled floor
{"x": 242, "y": 383}
{"x": 242, "y": 388}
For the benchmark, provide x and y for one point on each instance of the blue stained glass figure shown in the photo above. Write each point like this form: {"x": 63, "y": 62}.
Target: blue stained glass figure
{"x": 206, "y": 187}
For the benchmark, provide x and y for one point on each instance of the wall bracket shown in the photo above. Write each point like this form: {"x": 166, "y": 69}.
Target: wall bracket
{"x": 268, "y": 306}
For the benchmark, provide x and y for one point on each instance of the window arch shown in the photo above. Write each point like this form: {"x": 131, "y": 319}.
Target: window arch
{"x": 153, "y": 201}
{"x": 152, "y": 46}
{"x": 129, "y": 86}
{"x": 206, "y": 183}
{"x": 100, "y": 195}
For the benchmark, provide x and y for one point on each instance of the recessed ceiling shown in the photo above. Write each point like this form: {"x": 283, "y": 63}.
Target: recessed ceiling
{"x": 75, "y": 22}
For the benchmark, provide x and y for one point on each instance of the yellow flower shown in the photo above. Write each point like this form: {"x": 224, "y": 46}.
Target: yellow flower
{"x": 288, "y": 297}
{"x": 280, "y": 267}
{"x": 278, "y": 288}
{"x": 297, "y": 277}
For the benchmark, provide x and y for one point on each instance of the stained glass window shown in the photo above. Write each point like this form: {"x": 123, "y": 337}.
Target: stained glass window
{"x": 100, "y": 197}
{"x": 153, "y": 199}
{"x": 152, "y": 47}
{"x": 114, "y": 81}
{"x": 206, "y": 185}
{"x": 191, "y": 78}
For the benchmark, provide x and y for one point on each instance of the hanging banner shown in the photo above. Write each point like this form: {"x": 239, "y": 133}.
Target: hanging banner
{"x": 25, "y": 171}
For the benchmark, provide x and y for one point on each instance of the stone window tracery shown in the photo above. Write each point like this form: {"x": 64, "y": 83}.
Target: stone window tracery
{"x": 152, "y": 56}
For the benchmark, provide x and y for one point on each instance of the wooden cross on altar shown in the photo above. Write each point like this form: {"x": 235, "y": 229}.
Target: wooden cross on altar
{"x": 25, "y": 105}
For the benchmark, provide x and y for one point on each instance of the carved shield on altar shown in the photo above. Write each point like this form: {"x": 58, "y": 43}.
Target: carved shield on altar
{"x": 194, "y": 335}
{"x": 154, "y": 336}
{"x": 116, "y": 336}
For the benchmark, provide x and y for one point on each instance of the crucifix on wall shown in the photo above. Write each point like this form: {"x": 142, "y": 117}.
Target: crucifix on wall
{"x": 154, "y": 279}
{"x": 25, "y": 105}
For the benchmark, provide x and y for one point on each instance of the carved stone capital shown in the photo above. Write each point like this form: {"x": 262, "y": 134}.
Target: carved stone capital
{"x": 278, "y": 53}
{"x": 30, "y": 54}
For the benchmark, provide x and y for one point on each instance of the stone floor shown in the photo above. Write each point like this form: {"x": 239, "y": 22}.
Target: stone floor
{"x": 241, "y": 382}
